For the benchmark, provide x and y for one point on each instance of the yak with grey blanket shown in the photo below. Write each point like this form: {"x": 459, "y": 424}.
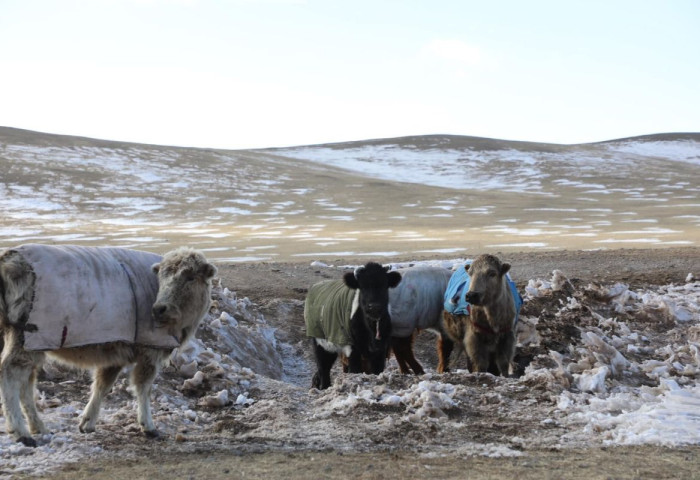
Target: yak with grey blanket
{"x": 350, "y": 316}
{"x": 84, "y": 296}
{"x": 101, "y": 308}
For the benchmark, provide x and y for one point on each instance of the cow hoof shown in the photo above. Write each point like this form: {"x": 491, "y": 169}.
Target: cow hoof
{"x": 27, "y": 441}
{"x": 316, "y": 381}
{"x": 152, "y": 433}
{"x": 86, "y": 429}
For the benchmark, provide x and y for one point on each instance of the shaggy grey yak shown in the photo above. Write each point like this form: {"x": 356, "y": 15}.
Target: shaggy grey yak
{"x": 92, "y": 307}
{"x": 350, "y": 316}
{"x": 486, "y": 329}
{"x": 416, "y": 304}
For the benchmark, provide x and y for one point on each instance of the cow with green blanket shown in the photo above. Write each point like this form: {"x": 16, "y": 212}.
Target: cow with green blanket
{"x": 350, "y": 316}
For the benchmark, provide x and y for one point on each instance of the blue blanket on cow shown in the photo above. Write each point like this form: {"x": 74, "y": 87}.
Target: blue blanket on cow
{"x": 458, "y": 287}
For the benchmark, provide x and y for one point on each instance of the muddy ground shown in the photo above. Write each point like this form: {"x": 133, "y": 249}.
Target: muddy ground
{"x": 279, "y": 438}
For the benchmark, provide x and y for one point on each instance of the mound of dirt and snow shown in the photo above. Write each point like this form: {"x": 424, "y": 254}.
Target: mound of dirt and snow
{"x": 598, "y": 364}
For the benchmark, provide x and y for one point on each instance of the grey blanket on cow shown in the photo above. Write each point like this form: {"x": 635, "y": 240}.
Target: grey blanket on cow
{"x": 328, "y": 310}
{"x": 416, "y": 302}
{"x": 92, "y": 295}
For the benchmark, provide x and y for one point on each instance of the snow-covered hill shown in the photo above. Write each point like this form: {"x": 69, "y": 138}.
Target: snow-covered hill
{"x": 388, "y": 197}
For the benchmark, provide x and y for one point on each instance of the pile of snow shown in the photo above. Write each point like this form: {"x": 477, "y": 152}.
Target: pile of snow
{"x": 539, "y": 287}
{"x": 428, "y": 399}
{"x": 605, "y": 379}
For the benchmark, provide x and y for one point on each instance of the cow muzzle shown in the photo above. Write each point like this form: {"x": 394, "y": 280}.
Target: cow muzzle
{"x": 475, "y": 298}
{"x": 374, "y": 310}
{"x": 165, "y": 314}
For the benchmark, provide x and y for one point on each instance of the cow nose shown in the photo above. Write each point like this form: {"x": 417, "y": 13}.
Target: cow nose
{"x": 159, "y": 310}
{"x": 473, "y": 297}
{"x": 374, "y": 308}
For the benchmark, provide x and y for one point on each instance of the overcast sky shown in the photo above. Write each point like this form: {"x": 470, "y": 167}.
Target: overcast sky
{"x": 264, "y": 73}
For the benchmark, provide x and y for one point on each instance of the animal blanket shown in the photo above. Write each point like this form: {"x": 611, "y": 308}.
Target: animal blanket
{"x": 416, "y": 302}
{"x": 327, "y": 311}
{"x": 91, "y": 295}
{"x": 457, "y": 288}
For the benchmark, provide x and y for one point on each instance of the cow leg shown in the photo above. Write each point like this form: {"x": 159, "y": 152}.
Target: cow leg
{"x": 493, "y": 365}
{"x": 377, "y": 361}
{"x": 344, "y": 363}
{"x": 324, "y": 363}
{"x": 101, "y": 385}
{"x": 16, "y": 367}
{"x": 403, "y": 350}
{"x": 478, "y": 354}
{"x": 444, "y": 349}
{"x": 142, "y": 377}
{"x": 355, "y": 361}
{"x": 504, "y": 354}
{"x": 29, "y": 403}
{"x": 398, "y": 347}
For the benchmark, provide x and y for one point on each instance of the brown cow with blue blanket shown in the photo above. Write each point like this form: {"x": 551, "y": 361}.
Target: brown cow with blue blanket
{"x": 481, "y": 311}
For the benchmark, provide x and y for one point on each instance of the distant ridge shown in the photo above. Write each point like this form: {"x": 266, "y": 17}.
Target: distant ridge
{"x": 657, "y": 137}
{"x": 21, "y": 136}
{"x": 486, "y": 143}
{"x": 30, "y": 137}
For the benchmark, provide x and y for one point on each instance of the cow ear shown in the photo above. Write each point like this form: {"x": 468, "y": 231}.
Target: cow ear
{"x": 504, "y": 268}
{"x": 156, "y": 268}
{"x": 208, "y": 270}
{"x": 350, "y": 280}
{"x": 393, "y": 278}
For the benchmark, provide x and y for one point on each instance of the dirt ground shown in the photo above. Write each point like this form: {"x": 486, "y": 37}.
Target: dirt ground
{"x": 619, "y": 463}
{"x": 405, "y": 454}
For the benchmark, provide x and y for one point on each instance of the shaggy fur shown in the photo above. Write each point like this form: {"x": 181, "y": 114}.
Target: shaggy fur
{"x": 183, "y": 299}
{"x": 487, "y": 333}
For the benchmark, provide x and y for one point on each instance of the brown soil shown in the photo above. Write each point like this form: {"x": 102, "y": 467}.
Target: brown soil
{"x": 595, "y": 463}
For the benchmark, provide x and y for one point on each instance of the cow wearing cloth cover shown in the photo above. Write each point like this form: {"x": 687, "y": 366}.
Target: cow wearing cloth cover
{"x": 485, "y": 319}
{"x": 350, "y": 316}
{"x": 92, "y": 307}
{"x": 416, "y": 304}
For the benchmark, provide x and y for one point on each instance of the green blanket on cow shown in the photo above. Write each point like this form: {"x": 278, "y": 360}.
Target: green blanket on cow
{"x": 328, "y": 310}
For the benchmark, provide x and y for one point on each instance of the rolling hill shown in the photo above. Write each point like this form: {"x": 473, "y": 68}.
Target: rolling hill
{"x": 420, "y": 195}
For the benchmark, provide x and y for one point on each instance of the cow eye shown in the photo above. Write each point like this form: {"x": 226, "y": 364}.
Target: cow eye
{"x": 492, "y": 273}
{"x": 189, "y": 276}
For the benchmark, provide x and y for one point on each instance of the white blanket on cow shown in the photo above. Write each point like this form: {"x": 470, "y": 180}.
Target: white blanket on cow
{"x": 92, "y": 295}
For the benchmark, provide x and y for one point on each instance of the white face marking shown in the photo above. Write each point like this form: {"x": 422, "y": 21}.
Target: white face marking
{"x": 355, "y": 303}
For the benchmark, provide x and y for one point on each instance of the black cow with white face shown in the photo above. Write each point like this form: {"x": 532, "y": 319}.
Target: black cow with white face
{"x": 351, "y": 316}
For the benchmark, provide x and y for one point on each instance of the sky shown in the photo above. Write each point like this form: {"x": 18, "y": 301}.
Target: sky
{"x": 270, "y": 73}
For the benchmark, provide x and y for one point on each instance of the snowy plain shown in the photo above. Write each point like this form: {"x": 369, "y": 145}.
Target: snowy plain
{"x": 266, "y": 204}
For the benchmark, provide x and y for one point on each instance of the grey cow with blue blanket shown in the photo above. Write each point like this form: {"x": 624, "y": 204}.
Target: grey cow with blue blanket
{"x": 481, "y": 312}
